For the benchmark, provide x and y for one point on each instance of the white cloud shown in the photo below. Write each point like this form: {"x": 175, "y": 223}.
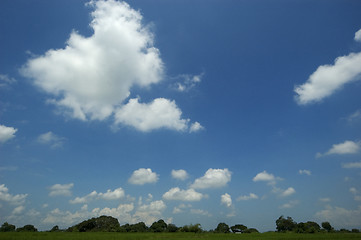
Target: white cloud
{"x": 358, "y": 36}
{"x": 329, "y": 78}
{"x": 179, "y": 174}
{"x": 18, "y": 210}
{"x": 347, "y": 147}
{"x": 355, "y": 193}
{"x": 325, "y": 199}
{"x": 5, "y": 80}
{"x": 183, "y": 195}
{"x": 305, "y": 172}
{"x": 185, "y": 82}
{"x": 195, "y": 127}
{"x": 288, "y": 192}
{"x": 180, "y": 208}
{"x": 6, "y": 133}
{"x": 12, "y": 199}
{"x": 149, "y": 213}
{"x": 109, "y": 195}
{"x": 201, "y": 212}
{"x": 49, "y": 138}
{"x": 121, "y": 212}
{"x": 61, "y": 189}
{"x": 143, "y": 176}
{"x": 340, "y": 217}
{"x": 226, "y": 199}
{"x": 247, "y": 197}
{"x": 290, "y": 204}
{"x": 160, "y": 113}
{"x": 354, "y": 116}
{"x": 352, "y": 165}
{"x": 92, "y": 75}
{"x": 265, "y": 177}
{"x": 213, "y": 178}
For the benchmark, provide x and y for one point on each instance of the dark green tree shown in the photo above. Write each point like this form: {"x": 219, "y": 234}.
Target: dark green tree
{"x": 222, "y": 228}
{"x": 6, "y": 227}
{"x": 251, "y": 230}
{"x": 138, "y": 227}
{"x": 159, "y": 226}
{"x": 55, "y": 229}
{"x": 172, "y": 228}
{"x": 27, "y": 228}
{"x": 285, "y": 224}
{"x": 327, "y": 226}
{"x": 238, "y": 228}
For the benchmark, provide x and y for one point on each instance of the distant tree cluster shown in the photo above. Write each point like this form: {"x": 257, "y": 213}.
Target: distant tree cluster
{"x": 289, "y": 225}
{"x": 110, "y": 224}
{"x": 6, "y": 227}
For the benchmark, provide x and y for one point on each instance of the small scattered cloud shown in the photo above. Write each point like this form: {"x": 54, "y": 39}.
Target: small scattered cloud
{"x": 290, "y": 204}
{"x": 201, "y": 212}
{"x": 213, "y": 178}
{"x": 8, "y": 168}
{"x": 266, "y": 177}
{"x": 226, "y": 199}
{"x": 251, "y": 196}
{"x": 18, "y": 210}
{"x": 180, "y": 208}
{"x": 189, "y": 195}
{"x": 325, "y": 200}
{"x": 143, "y": 176}
{"x": 355, "y": 192}
{"x": 6, "y": 133}
{"x": 195, "y": 127}
{"x": 6, "y": 81}
{"x": 355, "y": 116}
{"x": 288, "y": 192}
{"x": 304, "y": 172}
{"x": 108, "y": 195}
{"x": 186, "y": 82}
{"x": 61, "y": 190}
{"x": 358, "y": 36}
{"x": 179, "y": 174}
{"x": 10, "y": 198}
{"x": 51, "y": 139}
{"x": 352, "y": 165}
{"x": 347, "y": 147}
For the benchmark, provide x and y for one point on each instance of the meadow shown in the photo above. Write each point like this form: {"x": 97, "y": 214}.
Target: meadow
{"x": 171, "y": 236}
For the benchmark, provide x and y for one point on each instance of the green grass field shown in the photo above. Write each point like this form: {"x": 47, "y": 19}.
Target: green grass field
{"x": 175, "y": 236}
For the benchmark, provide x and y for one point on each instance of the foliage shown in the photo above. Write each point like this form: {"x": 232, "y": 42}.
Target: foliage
{"x": 222, "y": 228}
{"x": 195, "y": 228}
{"x": 308, "y": 227}
{"x": 285, "y": 224}
{"x": 238, "y": 228}
{"x": 6, "y": 227}
{"x": 251, "y": 230}
{"x": 27, "y": 228}
{"x": 327, "y": 226}
{"x": 99, "y": 224}
{"x": 159, "y": 226}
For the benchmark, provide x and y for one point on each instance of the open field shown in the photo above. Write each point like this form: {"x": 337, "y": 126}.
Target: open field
{"x": 175, "y": 236}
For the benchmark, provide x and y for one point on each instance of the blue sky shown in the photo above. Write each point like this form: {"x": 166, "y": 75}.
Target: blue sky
{"x": 189, "y": 111}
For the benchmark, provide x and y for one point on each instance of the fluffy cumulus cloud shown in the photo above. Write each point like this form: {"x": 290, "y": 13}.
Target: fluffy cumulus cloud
{"x": 6, "y": 133}
{"x": 327, "y": 79}
{"x": 358, "y": 36}
{"x": 91, "y": 78}
{"x": 340, "y": 217}
{"x": 109, "y": 195}
{"x": 179, "y": 174}
{"x": 226, "y": 199}
{"x": 213, "y": 178}
{"x": 49, "y": 138}
{"x": 9, "y": 198}
{"x": 160, "y": 113}
{"x": 61, "y": 189}
{"x": 143, "y": 176}
{"x": 195, "y": 127}
{"x": 347, "y": 147}
{"x": 247, "y": 197}
{"x": 149, "y": 213}
{"x": 183, "y": 195}
{"x": 265, "y": 177}
{"x": 288, "y": 192}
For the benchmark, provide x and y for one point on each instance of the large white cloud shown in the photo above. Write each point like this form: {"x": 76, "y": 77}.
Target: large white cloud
{"x": 61, "y": 189}
{"x": 6, "y": 133}
{"x": 91, "y": 78}
{"x": 13, "y": 199}
{"x": 183, "y": 195}
{"x": 213, "y": 178}
{"x": 327, "y": 79}
{"x": 92, "y": 75}
{"x": 143, "y": 176}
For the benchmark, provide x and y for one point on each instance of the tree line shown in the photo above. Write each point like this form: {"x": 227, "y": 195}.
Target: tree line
{"x": 110, "y": 224}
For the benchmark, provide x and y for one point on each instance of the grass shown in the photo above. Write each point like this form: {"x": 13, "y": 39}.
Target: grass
{"x": 175, "y": 236}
